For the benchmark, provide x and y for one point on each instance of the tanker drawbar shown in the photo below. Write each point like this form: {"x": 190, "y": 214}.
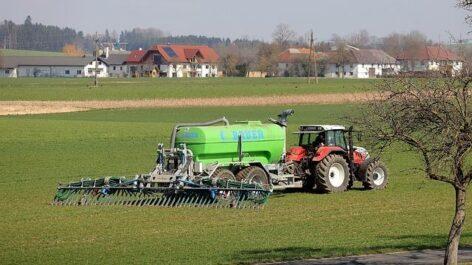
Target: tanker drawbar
{"x": 210, "y": 164}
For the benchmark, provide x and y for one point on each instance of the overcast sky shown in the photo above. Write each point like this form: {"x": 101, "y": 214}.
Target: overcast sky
{"x": 255, "y": 19}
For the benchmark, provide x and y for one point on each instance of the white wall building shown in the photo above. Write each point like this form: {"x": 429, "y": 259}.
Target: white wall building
{"x": 430, "y": 58}
{"x": 101, "y": 69}
{"x": 43, "y": 66}
{"x": 359, "y": 63}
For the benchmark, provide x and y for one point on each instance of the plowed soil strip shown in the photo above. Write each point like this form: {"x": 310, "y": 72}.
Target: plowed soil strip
{"x": 41, "y": 107}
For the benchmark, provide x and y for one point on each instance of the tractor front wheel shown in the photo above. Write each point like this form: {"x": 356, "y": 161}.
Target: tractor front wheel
{"x": 332, "y": 174}
{"x": 374, "y": 175}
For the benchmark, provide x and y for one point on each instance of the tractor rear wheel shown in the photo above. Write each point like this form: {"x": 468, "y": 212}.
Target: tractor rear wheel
{"x": 332, "y": 174}
{"x": 253, "y": 174}
{"x": 374, "y": 175}
{"x": 222, "y": 173}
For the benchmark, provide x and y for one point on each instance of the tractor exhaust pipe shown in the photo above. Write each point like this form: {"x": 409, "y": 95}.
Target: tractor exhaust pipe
{"x": 208, "y": 123}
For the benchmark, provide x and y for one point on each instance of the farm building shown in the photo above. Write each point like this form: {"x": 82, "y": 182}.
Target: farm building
{"x": 174, "y": 61}
{"x": 43, "y": 66}
{"x": 110, "y": 65}
{"x": 430, "y": 58}
{"x": 359, "y": 63}
{"x": 294, "y": 61}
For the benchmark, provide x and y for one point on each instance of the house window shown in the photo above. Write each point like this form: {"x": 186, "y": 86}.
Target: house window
{"x": 7, "y": 71}
{"x": 79, "y": 72}
{"x": 90, "y": 70}
{"x": 351, "y": 73}
{"x": 100, "y": 63}
{"x": 114, "y": 67}
{"x": 67, "y": 72}
{"x": 121, "y": 67}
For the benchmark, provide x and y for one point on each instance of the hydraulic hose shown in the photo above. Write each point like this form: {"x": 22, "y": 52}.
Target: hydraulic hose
{"x": 208, "y": 123}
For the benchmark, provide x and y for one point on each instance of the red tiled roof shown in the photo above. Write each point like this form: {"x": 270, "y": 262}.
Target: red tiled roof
{"x": 136, "y": 56}
{"x": 183, "y": 53}
{"x": 292, "y": 54}
{"x": 427, "y": 53}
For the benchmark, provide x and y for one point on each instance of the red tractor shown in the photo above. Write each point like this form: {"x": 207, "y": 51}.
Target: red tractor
{"x": 326, "y": 159}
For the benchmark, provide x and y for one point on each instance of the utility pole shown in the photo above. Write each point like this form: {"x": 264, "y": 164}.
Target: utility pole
{"x": 311, "y": 59}
{"x": 95, "y": 80}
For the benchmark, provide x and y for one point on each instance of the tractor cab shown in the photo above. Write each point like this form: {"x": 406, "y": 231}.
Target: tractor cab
{"x": 315, "y": 138}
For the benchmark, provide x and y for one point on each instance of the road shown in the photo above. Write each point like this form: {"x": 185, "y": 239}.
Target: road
{"x": 429, "y": 257}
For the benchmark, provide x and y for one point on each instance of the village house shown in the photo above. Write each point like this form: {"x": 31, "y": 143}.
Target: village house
{"x": 294, "y": 61}
{"x": 430, "y": 58}
{"x": 352, "y": 62}
{"x": 43, "y": 66}
{"x": 174, "y": 61}
{"x": 109, "y": 65}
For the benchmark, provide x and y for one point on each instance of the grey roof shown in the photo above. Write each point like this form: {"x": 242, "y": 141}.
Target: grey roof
{"x": 115, "y": 59}
{"x": 372, "y": 56}
{"x": 15, "y": 61}
{"x": 362, "y": 56}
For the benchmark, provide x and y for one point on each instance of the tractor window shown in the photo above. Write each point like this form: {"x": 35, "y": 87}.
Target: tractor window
{"x": 330, "y": 139}
{"x": 335, "y": 138}
{"x": 340, "y": 140}
{"x": 305, "y": 139}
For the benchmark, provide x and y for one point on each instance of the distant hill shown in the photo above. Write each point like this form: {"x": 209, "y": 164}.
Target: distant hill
{"x": 11, "y": 52}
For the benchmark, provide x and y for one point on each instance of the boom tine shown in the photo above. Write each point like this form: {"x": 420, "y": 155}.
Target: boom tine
{"x": 119, "y": 191}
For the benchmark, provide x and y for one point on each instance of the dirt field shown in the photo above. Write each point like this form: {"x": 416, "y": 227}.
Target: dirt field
{"x": 41, "y": 107}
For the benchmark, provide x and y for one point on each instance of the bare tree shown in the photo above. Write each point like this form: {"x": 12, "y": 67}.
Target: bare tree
{"x": 228, "y": 63}
{"x": 361, "y": 39}
{"x": 267, "y": 58}
{"x": 342, "y": 55}
{"x": 395, "y": 43}
{"x": 283, "y": 35}
{"x": 433, "y": 118}
{"x": 466, "y": 5}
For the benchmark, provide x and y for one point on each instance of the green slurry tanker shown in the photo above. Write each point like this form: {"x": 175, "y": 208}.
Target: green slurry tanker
{"x": 219, "y": 164}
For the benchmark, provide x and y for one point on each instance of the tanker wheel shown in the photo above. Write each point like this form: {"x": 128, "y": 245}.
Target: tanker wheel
{"x": 253, "y": 174}
{"x": 222, "y": 173}
{"x": 332, "y": 174}
{"x": 375, "y": 175}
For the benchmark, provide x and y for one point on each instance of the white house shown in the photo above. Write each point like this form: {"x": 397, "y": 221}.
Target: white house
{"x": 43, "y": 66}
{"x": 174, "y": 61}
{"x": 92, "y": 67}
{"x": 109, "y": 65}
{"x": 359, "y": 63}
{"x": 430, "y": 58}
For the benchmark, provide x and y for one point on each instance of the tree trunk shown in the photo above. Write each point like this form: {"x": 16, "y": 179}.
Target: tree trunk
{"x": 452, "y": 249}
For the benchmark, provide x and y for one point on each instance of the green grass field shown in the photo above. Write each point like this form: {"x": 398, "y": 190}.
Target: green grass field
{"x": 38, "y": 151}
{"x": 12, "y": 52}
{"x": 146, "y": 88}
